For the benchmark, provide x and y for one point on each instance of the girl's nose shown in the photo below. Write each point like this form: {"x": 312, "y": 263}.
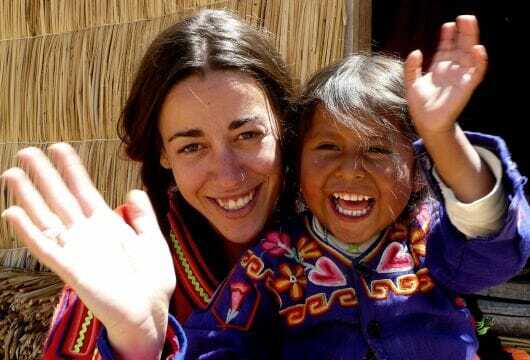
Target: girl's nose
{"x": 352, "y": 169}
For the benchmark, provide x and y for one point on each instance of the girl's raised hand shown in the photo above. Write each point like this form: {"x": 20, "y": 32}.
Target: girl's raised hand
{"x": 122, "y": 272}
{"x": 437, "y": 97}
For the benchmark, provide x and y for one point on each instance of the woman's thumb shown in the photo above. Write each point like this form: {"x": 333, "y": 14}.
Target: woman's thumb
{"x": 138, "y": 213}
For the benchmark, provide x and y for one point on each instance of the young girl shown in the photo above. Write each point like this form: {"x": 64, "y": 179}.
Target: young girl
{"x": 394, "y": 230}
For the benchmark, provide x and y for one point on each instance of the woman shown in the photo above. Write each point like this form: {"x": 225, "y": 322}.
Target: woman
{"x": 206, "y": 118}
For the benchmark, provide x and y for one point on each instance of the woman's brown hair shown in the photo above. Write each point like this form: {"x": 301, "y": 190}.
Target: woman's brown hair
{"x": 207, "y": 41}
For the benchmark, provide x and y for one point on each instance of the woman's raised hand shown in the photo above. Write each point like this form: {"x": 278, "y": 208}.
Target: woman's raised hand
{"x": 437, "y": 97}
{"x": 121, "y": 270}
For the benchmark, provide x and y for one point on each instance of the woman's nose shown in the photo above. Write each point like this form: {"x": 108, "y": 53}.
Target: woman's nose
{"x": 229, "y": 171}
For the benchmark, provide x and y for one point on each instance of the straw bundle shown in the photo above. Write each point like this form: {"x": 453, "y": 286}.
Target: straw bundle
{"x": 27, "y": 301}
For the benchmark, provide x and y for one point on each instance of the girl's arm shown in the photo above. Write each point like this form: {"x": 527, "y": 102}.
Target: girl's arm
{"x": 436, "y": 100}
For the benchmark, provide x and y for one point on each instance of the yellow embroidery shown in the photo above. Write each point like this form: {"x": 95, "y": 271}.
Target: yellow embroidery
{"x": 254, "y": 266}
{"x": 405, "y": 285}
{"x": 81, "y": 336}
{"x": 317, "y": 304}
{"x": 187, "y": 269}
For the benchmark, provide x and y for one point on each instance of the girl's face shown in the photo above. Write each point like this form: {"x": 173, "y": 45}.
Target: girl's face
{"x": 355, "y": 186}
{"x": 220, "y": 139}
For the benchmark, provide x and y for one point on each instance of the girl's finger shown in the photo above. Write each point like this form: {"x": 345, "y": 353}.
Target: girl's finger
{"x": 76, "y": 177}
{"x": 29, "y": 198}
{"x": 480, "y": 57}
{"x": 51, "y": 185}
{"x": 413, "y": 67}
{"x": 447, "y": 42}
{"x": 467, "y": 33}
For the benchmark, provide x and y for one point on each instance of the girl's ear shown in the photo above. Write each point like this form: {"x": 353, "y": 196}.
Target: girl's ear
{"x": 164, "y": 161}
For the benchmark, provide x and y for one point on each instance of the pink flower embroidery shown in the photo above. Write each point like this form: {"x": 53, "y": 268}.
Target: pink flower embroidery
{"x": 276, "y": 243}
{"x": 238, "y": 291}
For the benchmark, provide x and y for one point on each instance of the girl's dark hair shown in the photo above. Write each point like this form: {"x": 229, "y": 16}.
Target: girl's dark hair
{"x": 207, "y": 41}
{"x": 362, "y": 92}
{"x": 359, "y": 91}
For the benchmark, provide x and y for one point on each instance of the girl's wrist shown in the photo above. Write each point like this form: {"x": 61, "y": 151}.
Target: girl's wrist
{"x": 439, "y": 136}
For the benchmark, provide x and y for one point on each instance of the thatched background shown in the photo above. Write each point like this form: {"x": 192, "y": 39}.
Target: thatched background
{"x": 66, "y": 66}
{"x": 65, "y": 70}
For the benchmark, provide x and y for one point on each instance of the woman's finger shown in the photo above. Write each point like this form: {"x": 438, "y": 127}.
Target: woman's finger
{"x": 51, "y": 185}
{"x": 29, "y": 198}
{"x": 46, "y": 249}
{"x": 139, "y": 213}
{"x": 76, "y": 177}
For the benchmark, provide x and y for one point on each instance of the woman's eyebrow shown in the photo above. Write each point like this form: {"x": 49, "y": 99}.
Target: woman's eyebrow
{"x": 236, "y": 124}
{"x": 186, "y": 133}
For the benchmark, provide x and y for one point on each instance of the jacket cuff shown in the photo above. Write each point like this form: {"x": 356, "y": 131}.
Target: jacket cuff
{"x": 483, "y": 216}
{"x": 175, "y": 345}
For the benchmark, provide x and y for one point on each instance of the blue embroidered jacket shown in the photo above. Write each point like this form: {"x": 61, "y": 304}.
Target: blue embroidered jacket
{"x": 295, "y": 296}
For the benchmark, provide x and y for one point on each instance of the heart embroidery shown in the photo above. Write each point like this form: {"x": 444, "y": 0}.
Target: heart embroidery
{"x": 395, "y": 258}
{"x": 326, "y": 273}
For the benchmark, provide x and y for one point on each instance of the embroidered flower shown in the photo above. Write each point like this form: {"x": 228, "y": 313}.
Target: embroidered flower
{"x": 307, "y": 249}
{"x": 276, "y": 243}
{"x": 238, "y": 291}
{"x": 292, "y": 279}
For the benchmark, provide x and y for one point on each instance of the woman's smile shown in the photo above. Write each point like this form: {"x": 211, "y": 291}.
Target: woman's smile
{"x": 220, "y": 138}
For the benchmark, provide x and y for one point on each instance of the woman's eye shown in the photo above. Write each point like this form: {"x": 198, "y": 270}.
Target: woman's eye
{"x": 328, "y": 146}
{"x": 191, "y": 148}
{"x": 248, "y": 135}
{"x": 379, "y": 150}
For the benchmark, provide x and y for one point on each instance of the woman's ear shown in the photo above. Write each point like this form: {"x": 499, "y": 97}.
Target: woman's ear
{"x": 164, "y": 161}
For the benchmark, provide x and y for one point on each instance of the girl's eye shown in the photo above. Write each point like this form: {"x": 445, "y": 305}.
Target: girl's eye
{"x": 247, "y": 135}
{"x": 379, "y": 150}
{"x": 191, "y": 148}
{"x": 328, "y": 146}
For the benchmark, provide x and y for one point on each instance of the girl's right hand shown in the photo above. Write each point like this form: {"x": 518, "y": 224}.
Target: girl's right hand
{"x": 122, "y": 272}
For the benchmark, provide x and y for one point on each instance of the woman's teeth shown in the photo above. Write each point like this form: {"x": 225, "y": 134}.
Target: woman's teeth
{"x": 235, "y": 203}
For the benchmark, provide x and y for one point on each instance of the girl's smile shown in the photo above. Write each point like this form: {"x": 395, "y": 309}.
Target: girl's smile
{"x": 356, "y": 185}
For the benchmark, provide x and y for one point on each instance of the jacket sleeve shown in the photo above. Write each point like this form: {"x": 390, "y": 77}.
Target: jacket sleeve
{"x": 467, "y": 265}
{"x": 73, "y": 332}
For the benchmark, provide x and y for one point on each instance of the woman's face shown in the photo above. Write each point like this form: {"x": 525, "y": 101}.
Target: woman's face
{"x": 220, "y": 139}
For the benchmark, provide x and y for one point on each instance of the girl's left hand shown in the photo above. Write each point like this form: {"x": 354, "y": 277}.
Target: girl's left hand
{"x": 437, "y": 97}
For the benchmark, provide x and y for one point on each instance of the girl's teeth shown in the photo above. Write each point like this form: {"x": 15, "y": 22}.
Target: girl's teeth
{"x": 352, "y": 213}
{"x": 351, "y": 197}
{"x": 235, "y": 204}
